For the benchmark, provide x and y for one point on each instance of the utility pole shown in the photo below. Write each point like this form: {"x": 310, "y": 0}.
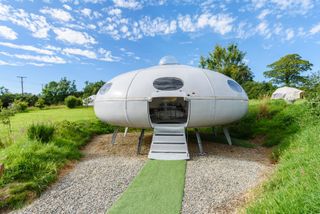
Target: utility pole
{"x": 21, "y": 80}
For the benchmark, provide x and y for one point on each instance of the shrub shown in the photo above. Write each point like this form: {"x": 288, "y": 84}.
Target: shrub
{"x": 40, "y": 103}
{"x": 72, "y": 102}
{"x": 41, "y": 132}
{"x": 314, "y": 104}
{"x": 20, "y": 106}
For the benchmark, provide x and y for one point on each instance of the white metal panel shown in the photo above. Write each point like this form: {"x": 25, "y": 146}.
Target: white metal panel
{"x": 228, "y": 111}
{"x": 112, "y": 111}
{"x": 138, "y": 113}
{"x": 195, "y": 82}
{"x": 201, "y": 113}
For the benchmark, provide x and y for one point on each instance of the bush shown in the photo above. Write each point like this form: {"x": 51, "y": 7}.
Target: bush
{"x": 256, "y": 90}
{"x": 41, "y": 132}
{"x": 72, "y": 102}
{"x": 40, "y": 103}
{"x": 20, "y": 106}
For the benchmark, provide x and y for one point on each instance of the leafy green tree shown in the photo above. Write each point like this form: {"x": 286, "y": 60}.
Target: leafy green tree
{"x": 229, "y": 61}
{"x": 92, "y": 88}
{"x": 56, "y": 92}
{"x": 287, "y": 70}
{"x": 6, "y": 97}
{"x": 256, "y": 90}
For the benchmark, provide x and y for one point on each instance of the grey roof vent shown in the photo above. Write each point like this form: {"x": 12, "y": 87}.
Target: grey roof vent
{"x": 168, "y": 60}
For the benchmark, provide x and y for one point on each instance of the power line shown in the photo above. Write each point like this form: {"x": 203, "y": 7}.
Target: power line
{"x": 21, "y": 80}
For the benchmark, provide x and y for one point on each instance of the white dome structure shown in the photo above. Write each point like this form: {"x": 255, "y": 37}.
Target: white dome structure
{"x": 171, "y": 97}
{"x": 288, "y": 94}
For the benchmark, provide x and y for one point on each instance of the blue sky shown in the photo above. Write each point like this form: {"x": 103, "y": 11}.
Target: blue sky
{"x": 91, "y": 40}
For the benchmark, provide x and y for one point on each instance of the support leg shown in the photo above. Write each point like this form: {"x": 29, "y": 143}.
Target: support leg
{"x": 226, "y": 133}
{"x": 114, "y": 136}
{"x": 140, "y": 142}
{"x": 199, "y": 142}
{"x": 125, "y": 132}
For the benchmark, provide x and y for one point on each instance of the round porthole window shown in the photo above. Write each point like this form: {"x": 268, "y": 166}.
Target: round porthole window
{"x": 234, "y": 86}
{"x": 168, "y": 83}
{"x": 105, "y": 88}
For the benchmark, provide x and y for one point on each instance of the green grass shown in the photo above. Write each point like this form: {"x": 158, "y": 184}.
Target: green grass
{"x": 295, "y": 186}
{"x": 21, "y": 121}
{"x": 157, "y": 189}
{"x": 31, "y": 165}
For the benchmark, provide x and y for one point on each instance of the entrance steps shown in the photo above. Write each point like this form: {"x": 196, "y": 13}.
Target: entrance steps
{"x": 169, "y": 143}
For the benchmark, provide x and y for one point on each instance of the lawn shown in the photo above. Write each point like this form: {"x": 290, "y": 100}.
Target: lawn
{"x": 157, "y": 189}
{"x": 21, "y": 121}
{"x": 32, "y": 164}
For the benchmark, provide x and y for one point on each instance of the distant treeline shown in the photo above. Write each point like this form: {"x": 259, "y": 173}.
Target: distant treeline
{"x": 53, "y": 93}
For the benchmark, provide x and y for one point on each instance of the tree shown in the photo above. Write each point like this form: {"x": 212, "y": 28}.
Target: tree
{"x": 56, "y": 92}
{"x": 6, "y": 97}
{"x": 92, "y": 88}
{"x": 256, "y": 90}
{"x": 287, "y": 70}
{"x": 229, "y": 61}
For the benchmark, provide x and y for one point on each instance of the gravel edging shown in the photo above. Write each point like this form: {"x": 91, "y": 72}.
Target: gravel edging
{"x": 214, "y": 181}
{"x": 92, "y": 187}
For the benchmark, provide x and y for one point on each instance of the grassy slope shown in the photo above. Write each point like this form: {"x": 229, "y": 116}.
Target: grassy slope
{"x": 21, "y": 120}
{"x": 295, "y": 185}
{"x": 157, "y": 189}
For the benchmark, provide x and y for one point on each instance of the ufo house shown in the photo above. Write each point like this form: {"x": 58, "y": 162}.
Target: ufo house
{"x": 171, "y": 98}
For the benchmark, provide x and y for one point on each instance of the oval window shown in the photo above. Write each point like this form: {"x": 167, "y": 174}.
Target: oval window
{"x": 234, "y": 86}
{"x": 168, "y": 83}
{"x": 105, "y": 88}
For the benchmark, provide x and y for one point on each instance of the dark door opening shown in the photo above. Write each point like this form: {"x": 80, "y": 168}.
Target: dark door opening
{"x": 168, "y": 110}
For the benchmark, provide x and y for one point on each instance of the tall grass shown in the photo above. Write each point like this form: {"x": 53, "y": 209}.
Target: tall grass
{"x": 295, "y": 186}
{"x": 30, "y": 165}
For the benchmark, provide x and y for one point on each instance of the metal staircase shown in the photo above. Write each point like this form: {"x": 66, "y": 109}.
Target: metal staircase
{"x": 169, "y": 143}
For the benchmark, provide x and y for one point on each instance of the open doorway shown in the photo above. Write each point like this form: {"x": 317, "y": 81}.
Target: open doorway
{"x": 168, "y": 110}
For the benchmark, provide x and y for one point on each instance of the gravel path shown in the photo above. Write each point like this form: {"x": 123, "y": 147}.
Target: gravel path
{"x": 217, "y": 182}
{"x": 92, "y": 186}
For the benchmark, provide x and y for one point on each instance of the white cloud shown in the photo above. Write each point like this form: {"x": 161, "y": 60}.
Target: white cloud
{"x": 67, "y": 7}
{"x": 26, "y": 48}
{"x": 107, "y": 56}
{"x": 130, "y": 4}
{"x": 315, "y": 29}
{"x": 287, "y": 6}
{"x": 7, "y": 33}
{"x": 3, "y": 62}
{"x": 76, "y": 51}
{"x": 32, "y": 22}
{"x": 264, "y": 13}
{"x": 73, "y": 37}
{"x": 152, "y": 27}
{"x": 94, "y": 1}
{"x": 115, "y": 12}
{"x": 186, "y": 24}
{"x": 263, "y": 29}
{"x": 37, "y": 64}
{"x": 220, "y": 23}
{"x": 57, "y": 14}
{"x": 289, "y": 34}
{"x": 47, "y": 59}
{"x": 38, "y": 58}
{"x": 86, "y": 12}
